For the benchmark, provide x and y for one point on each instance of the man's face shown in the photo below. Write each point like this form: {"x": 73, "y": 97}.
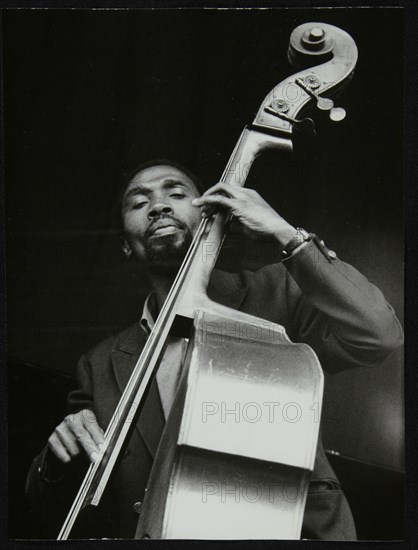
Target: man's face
{"x": 159, "y": 219}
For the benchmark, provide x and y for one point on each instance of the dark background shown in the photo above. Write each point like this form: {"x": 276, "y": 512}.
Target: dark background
{"x": 90, "y": 94}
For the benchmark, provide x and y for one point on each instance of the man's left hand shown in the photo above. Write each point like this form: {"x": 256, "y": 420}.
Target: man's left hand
{"x": 256, "y": 217}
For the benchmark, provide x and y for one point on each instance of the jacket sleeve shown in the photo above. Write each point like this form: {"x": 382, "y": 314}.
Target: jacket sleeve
{"x": 50, "y": 485}
{"x": 337, "y": 311}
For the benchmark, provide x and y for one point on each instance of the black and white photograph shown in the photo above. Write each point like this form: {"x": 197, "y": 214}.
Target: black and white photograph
{"x": 204, "y": 270}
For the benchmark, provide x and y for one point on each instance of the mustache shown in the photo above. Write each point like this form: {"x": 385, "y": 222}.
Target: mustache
{"x": 152, "y": 226}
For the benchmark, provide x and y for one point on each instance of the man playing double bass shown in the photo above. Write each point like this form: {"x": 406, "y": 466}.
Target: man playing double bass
{"x": 317, "y": 298}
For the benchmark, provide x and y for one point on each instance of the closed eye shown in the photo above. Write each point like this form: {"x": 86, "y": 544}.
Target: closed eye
{"x": 178, "y": 195}
{"x": 138, "y": 205}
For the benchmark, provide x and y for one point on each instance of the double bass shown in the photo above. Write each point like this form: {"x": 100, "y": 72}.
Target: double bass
{"x": 250, "y": 478}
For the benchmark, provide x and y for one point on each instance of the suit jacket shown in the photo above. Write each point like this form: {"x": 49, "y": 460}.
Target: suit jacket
{"x": 319, "y": 299}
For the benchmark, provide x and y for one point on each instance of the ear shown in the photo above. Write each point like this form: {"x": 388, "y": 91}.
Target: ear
{"x": 127, "y": 250}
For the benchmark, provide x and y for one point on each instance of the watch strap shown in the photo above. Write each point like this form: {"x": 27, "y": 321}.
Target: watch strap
{"x": 302, "y": 236}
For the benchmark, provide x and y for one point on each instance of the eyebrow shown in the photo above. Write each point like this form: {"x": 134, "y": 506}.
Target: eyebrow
{"x": 168, "y": 184}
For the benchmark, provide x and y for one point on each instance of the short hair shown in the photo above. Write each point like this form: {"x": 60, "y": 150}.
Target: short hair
{"x": 150, "y": 164}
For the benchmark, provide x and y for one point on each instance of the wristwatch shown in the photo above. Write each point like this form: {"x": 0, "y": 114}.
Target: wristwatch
{"x": 302, "y": 236}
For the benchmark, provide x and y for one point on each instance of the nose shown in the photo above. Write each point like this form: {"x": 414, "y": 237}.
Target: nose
{"x": 158, "y": 208}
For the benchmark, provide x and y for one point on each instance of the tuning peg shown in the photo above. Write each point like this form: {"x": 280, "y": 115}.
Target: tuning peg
{"x": 324, "y": 104}
{"x": 337, "y": 113}
{"x": 279, "y": 108}
{"x": 309, "y": 84}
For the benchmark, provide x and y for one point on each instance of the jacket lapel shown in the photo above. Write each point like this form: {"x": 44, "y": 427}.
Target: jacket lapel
{"x": 124, "y": 357}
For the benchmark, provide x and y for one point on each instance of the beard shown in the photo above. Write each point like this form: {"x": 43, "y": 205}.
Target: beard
{"x": 164, "y": 255}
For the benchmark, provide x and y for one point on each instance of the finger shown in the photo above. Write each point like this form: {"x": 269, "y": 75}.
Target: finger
{"x": 92, "y": 426}
{"x": 84, "y": 439}
{"x": 208, "y": 211}
{"x": 55, "y": 445}
{"x": 67, "y": 439}
{"x": 215, "y": 200}
{"x": 225, "y": 189}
